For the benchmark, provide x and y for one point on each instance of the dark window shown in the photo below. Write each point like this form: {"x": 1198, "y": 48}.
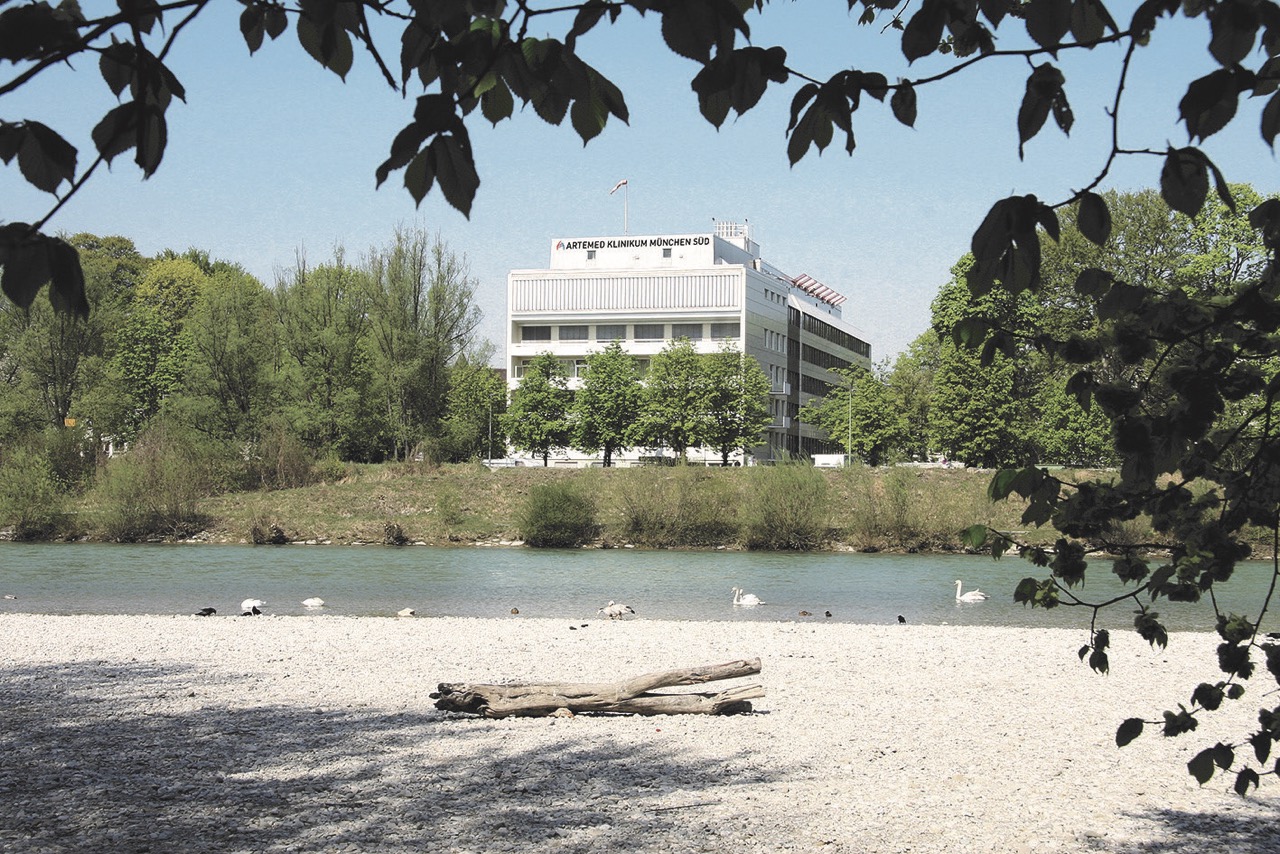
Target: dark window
{"x": 611, "y": 332}
{"x": 692, "y": 331}
{"x": 573, "y": 333}
{"x": 650, "y": 332}
{"x": 535, "y": 333}
{"x": 724, "y": 330}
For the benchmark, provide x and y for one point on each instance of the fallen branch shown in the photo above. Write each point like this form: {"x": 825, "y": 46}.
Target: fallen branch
{"x": 630, "y": 696}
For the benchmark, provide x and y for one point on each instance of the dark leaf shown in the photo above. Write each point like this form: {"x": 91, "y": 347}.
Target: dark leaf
{"x": 117, "y": 65}
{"x": 455, "y": 170}
{"x": 1044, "y": 89}
{"x": 25, "y": 257}
{"x": 1261, "y": 743}
{"x": 1094, "y": 220}
{"x": 1128, "y": 731}
{"x": 923, "y": 33}
{"x": 1048, "y": 21}
{"x": 1235, "y": 28}
{"x": 419, "y": 176}
{"x": 1209, "y": 104}
{"x": 253, "y": 27}
{"x": 66, "y": 279}
{"x": 45, "y": 158}
{"x": 153, "y": 135}
{"x": 691, "y": 30}
{"x": 1184, "y": 180}
{"x": 1090, "y": 20}
{"x": 327, "y": 42}
{"x": 1099, "y": 662}
{"x": 497, "y": 104}
{"x": 903, "y": 103}
{"x": 117, "y": 132}
{"x": 1271, "y": 120}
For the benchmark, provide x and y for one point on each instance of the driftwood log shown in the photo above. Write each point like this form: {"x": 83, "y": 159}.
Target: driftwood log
{"x": 630, "y": 696}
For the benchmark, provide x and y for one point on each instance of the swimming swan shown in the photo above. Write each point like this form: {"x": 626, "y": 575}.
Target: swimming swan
{"x": 971, "y": 596}
{"x": 313, "y": 602}
{"x": 746, "y": 600}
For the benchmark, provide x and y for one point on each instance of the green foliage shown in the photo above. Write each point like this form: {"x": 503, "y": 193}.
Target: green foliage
{"x": 31, "y": 503}
{"x": 668, "y": 507}
{"x": 475, "y": 404}
{"x": 608, "y": 403}
{"x": 674, "y": 403}
{"x": 152, "y": 492}
{"x": 787, "y": 507}
{"x": 537, "y": 419}
{"x": 558, "y": 515}
{"x": 737, "y": 403}
{"x": 862, "y": 416}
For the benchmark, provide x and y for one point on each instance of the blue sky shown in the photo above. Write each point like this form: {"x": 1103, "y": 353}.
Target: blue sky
{"x": 272, "y": 154}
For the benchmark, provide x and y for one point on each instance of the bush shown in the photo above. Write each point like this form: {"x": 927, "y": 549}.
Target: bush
{"x": 153, "y": 490}
{"x": 281, "y": 460}
{"x": 786, "y": 508}
{"x": 557, "y": 515}
{"x": 30, "y": 500}
{"x": 683, "y": 506}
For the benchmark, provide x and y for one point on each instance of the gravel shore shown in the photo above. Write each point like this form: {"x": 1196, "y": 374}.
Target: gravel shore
{"x": 318, "y": 734}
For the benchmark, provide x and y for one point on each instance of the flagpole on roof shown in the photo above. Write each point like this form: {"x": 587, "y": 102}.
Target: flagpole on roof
{"x": 623, "y": 184}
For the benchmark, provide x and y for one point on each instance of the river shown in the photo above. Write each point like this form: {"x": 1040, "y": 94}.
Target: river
{"x": 83, "y": 578}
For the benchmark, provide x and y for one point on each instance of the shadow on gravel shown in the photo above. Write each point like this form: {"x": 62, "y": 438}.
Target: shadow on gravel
{"x": 1195, "y": 833}
{"x": 87, "y": 764}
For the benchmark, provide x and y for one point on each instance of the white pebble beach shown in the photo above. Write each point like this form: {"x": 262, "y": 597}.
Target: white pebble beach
{"x": 318, "y": 734}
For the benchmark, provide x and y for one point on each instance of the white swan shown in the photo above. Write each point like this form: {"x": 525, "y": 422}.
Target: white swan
{"x": 313, "y": 602}
{"x": 614, "y": 610}
{"x": 746, "y": 600}
{"x": 971, "y": 596}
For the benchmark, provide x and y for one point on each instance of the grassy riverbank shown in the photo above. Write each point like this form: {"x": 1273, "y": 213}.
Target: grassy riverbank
{"x": 896, "y": 509}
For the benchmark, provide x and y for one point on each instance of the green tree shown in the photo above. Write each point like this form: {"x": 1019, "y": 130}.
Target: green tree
{"x": 422, "y": 317}
{"x": 737, "y": 403}
{"x": 322, "y": 317}
{"x": 911, "y": 386}
{"x": 476, "y": 403}
{"x": 861, "y": 415}
{"x": 230, "y": 375}
{"x": 673, "y": 413}
{"x": 977, "y": 411}
{"x": 608, "y": 404}
{"x": 537, "y": 420}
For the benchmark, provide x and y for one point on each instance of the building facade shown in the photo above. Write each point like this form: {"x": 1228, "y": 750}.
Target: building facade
{"x": 713, "y": 289}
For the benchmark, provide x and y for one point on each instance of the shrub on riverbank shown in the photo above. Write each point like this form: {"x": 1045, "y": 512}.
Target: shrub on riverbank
{"x": 558, "y": 515}
{"x": 786, "y": 508}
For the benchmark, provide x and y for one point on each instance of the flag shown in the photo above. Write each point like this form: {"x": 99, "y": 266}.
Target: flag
{"x": 621, "y": 183}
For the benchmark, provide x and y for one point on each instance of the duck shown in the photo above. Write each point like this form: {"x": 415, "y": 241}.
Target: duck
{"x": 251, "y": 607}
{"x": 972, "y": 596}
{"x": 614, "y": 610}
{"x": 746, "y": 600}
{"x": 206, "y": 612}
{"x": 313, "y": 602}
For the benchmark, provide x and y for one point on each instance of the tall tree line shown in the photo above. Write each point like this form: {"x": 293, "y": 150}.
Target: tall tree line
{"x": 1010, "y": 404}
{"x": 369, "y": 361}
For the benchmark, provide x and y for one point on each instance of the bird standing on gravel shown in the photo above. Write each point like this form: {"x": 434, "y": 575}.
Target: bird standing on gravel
{"x": 614, "y": 610}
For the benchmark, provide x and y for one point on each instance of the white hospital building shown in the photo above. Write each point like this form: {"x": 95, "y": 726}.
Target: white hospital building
{"x": 645, "y": 291}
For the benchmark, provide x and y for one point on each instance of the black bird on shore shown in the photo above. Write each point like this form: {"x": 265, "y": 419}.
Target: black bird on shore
{"x": 206, "y": 612}
{"x": 828, "y": 613}
{"x": 901, "y": 619}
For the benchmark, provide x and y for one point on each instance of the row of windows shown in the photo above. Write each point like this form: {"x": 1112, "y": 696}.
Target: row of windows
{"x": 814, "y": 326}
{"x": 822, "y": 359}
{"x": 576, "y": 368}
{"x": 775, "y": 341}
{"x": 639, "y": 332}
